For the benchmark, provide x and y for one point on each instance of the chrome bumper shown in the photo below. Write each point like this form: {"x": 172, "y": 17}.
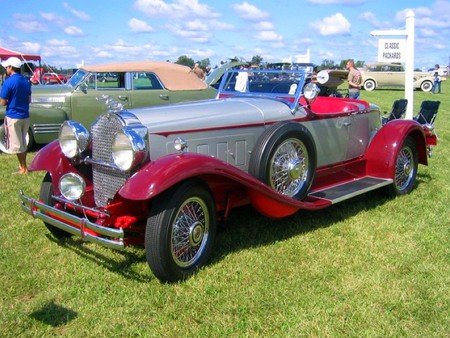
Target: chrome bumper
{"x": 38, "y": 210}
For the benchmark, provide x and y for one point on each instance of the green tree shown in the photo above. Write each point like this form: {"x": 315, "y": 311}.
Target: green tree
{"x": 186, "y": 61}
{"x": 257, "y": 60}
{"x": 204, "y": 63}
{"x": 326, "y": 64}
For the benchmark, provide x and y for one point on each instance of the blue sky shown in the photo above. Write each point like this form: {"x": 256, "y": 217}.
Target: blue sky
{"x": 66, "y": 33}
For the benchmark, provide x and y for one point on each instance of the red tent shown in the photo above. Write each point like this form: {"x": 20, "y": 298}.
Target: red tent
{"x": 7, "y": 53}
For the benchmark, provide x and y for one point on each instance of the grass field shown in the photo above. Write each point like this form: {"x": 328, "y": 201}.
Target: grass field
{"x": 367, "y": 267}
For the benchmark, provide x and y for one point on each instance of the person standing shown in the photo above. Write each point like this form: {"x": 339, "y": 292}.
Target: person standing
{"x": 437, "y": 81}
{"x": 354, "y": 80}
{"x": 199, "y": 72}
{"x": 16, "y": 96}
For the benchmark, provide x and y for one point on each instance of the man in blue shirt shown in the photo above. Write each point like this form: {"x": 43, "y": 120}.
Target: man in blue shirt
{"x": 16, "y": 96}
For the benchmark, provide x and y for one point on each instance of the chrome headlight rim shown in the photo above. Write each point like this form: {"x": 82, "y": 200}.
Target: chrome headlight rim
{"x": 72, "y": 186}
{"x": 73, "y": 138}
{"x": 311, "y": 91}
{"x": 128, "y": 149}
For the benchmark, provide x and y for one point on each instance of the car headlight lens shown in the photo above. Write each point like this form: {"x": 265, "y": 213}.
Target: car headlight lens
{"x": 128, "y": 149}
{"x": 72, "y": 186}
{"x": 311, "y": 91}
{"x": 73, "y": 138}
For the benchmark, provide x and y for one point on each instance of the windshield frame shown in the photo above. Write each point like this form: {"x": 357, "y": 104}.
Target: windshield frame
{"x": 264, "y": 83}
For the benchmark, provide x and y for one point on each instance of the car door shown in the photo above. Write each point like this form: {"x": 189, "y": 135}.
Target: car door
{"x": 147, "y": 90}
{"x": 86, "y": 103}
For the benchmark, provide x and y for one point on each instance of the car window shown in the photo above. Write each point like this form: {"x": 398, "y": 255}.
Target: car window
{"x": 146, "y": 80}
{"x": 110, "y": 80}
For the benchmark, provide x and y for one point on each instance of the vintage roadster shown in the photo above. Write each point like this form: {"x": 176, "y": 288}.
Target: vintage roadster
{"x": 162, "y": 177}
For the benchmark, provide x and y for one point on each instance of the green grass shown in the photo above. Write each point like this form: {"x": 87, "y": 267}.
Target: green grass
{"x": 367, "y": 267}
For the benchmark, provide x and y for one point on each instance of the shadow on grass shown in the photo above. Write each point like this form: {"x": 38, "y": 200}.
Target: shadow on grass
{"x": 53, "y": 314}
{"x": 246, "y": 228}
{"x": 123, "y": 267}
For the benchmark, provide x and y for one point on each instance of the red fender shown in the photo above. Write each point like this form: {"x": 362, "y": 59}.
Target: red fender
{"x": 51, "y": 159}
{"x": 382, "y": 152}
{"x": 163, "y": 173}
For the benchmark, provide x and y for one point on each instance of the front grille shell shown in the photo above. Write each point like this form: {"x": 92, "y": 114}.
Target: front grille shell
{"x": 107, "y": 179}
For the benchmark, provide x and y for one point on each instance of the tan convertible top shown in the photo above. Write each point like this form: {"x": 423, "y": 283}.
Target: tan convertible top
{"x": 172, "y": 75}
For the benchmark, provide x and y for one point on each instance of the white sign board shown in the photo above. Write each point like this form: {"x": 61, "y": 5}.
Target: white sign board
{"x": 391, "y": 50}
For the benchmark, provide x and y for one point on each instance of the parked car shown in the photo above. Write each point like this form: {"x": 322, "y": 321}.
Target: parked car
{"x": 133, "y": 84}
{"x": 215, "y": 76}
{"x": 162, "y": 177}
{"x": 388, "y": 75}
{"x": 54, "y": 78}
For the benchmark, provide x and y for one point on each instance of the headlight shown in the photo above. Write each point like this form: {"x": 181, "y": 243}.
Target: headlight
{"x": 73, "y": 138}
{"x": 128, "y": 149}
{"x": 311, "y": 91}
{"x": 72, "y": 186}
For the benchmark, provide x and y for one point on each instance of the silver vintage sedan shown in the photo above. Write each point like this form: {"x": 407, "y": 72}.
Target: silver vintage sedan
{"x": 162, "y": 177}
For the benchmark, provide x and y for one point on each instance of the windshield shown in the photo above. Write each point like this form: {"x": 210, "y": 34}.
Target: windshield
{"x": 77, "y": 78}
{"x": 280, "y": 84}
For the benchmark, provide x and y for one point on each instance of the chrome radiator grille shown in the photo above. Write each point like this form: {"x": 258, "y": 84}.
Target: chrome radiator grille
{"x": 107, "y": 181}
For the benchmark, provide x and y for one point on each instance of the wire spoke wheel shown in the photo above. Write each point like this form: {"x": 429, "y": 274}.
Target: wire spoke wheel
{"x": 289, "y": 167}
{"x": 189, "y": 232}
{"x": 404, "y": 168}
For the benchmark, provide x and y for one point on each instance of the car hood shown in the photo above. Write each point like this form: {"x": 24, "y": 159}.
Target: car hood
{"x": 210, "y": 114}
{"x": 51, "y": 90}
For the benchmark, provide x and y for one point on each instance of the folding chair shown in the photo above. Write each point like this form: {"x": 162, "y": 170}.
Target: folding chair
{"x": 397, "y": 112}
{"x": 428, "y": 112}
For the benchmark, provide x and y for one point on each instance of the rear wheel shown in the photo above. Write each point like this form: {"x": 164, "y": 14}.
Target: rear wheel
{"x": 369, "y": 85}
{"x": 46, "y": 196}
{"x": 405, "y": 169}
{"x": 426, "y": 86}
{"x": 180, "y": 231}
{"x": 284, "y": 158}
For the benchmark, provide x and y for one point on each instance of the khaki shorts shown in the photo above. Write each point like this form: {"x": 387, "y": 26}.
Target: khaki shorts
{"x": 16, "y": 131}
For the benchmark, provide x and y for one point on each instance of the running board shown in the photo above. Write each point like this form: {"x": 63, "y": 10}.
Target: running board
{"x": 344, "y": 191}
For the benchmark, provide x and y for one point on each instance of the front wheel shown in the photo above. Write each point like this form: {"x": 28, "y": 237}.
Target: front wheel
{"x": 180, "y": 231}
{"x": 405, "y": 169}
{"x": 426, "y": 86}
{"x": 45, "y": 196}
{"x": 369, "y": 85}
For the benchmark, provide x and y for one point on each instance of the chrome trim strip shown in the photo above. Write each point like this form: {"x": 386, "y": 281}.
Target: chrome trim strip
{"x": 79, "y": 206}
{"x": 46, "y": 128}
{"x": 117, "y": 235}
{"x": 90, "y": 160}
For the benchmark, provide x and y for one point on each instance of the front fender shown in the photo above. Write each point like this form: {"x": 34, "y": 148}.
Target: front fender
{"x": 51, "y": 159}
{"x": 382, "y": 152}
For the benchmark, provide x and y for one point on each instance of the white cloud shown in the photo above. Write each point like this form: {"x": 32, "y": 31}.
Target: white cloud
{"x": 54, "y": 19}
{"x": 335, "y": 24}
{"x": 191, "y": 35}
{"x": 263, "y": 26}
{"x": 80, "y": 15}
{"x": 176, "y": 9}
{"x": 31, "y": 47}
{"x": 72, "y": 30}
{"x": 250, "y": 12}
{"x": 268, "y": 36}
{"x": 28, "y": 23}
{"x": 139, "y": 26}
{"x": 196, "y": 25}
{"x": 336, "y": 2}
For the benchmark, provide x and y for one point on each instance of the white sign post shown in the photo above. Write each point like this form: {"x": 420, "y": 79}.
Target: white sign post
{"x": 398, "y": 46}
